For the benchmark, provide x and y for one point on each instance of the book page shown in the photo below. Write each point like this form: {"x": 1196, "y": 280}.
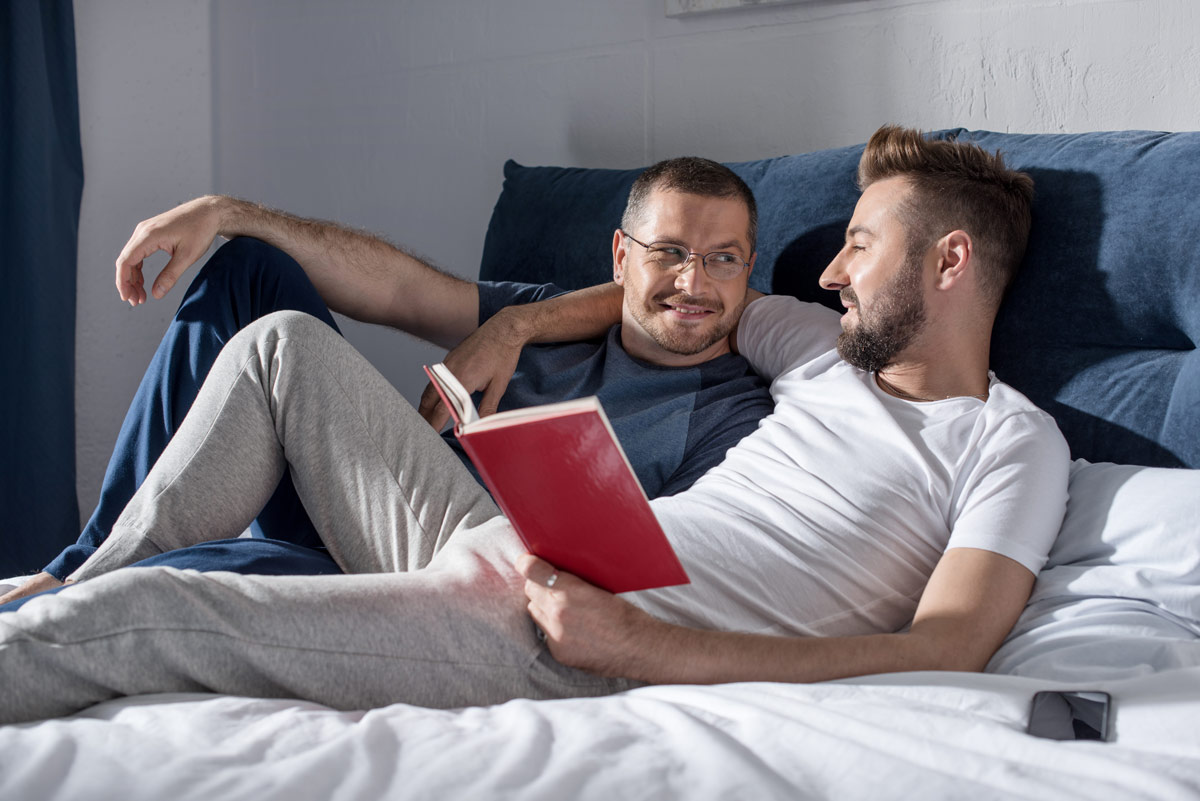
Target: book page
{"x": 453, "y": 393}
{"x": 517, "y": 416}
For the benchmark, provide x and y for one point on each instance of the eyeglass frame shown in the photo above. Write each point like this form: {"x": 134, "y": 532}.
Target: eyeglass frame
{"x": 690, "y": 253}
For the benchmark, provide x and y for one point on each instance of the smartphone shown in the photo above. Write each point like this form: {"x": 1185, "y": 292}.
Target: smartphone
{"x": 1070, "y": 715}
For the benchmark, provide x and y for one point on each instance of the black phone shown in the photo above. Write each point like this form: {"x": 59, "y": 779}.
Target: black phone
{"x": 1070, "y": 715}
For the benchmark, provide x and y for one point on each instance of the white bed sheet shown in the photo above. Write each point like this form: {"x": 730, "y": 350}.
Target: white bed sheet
{"x": 915, "y": 735}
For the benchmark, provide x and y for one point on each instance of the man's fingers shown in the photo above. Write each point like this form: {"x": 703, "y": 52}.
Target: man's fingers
{"x": 537, "y": 572}
{"x": 130, "y": 284}
{"x": 491, "y": 396}
{"x": 527, "y": 563}
{"x": 432, "y": 409}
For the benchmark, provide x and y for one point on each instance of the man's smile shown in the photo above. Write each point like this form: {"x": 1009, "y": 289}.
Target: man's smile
{"x": 686, "y": 308}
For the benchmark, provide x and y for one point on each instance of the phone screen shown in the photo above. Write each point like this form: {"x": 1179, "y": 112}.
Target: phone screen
{"x": 1074, "y": 715}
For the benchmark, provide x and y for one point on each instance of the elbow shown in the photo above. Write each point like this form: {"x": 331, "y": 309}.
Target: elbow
{"x": 951, "y": 654}
{"x": 964, "y": 661}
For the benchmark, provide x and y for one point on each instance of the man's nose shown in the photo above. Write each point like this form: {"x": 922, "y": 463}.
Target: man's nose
{"x": 835, "y": 276}
{"x": 690, "y": 276}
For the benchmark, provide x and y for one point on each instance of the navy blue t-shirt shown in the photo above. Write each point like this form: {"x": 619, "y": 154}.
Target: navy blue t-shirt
{"x": 674, "y": 423}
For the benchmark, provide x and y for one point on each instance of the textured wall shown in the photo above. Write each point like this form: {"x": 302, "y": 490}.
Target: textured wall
{"x": 396, "y": 116}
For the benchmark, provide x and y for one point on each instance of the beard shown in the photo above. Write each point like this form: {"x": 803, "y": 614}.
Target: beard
{"x": 894, "y": 320}
{"x": 683, "y": 341}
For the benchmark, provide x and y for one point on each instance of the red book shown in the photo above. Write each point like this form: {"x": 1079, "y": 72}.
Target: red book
{"x": 560, "y": 476}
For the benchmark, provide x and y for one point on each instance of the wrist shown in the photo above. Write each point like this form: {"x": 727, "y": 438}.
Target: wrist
{"x": 649, "y": 651}
{"x": 516, "y": 325}
{"x": 223, "y": 210}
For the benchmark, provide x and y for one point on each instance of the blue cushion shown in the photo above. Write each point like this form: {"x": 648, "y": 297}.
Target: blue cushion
{"x": 1099, "y": 329}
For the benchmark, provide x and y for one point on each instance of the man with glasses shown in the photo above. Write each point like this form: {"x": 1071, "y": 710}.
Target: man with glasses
{"x": 677, "y": 397}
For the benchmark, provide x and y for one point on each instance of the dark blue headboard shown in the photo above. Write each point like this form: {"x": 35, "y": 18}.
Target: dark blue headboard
{"x": 1100, "y": 328}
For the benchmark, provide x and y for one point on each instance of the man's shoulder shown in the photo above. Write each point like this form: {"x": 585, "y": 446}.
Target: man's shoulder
{"x": 778, "y": 333}
{"x": 1011, "y": 429}
{"x": 787, "y": 311}
{"x": 495, "y": 295}
{"x": 1006, "y": 403}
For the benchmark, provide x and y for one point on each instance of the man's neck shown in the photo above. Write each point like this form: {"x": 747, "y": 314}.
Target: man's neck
{"x": 918, "y": 390}
{"x": 952, "y": 372}
{"x": 948, "y": 359}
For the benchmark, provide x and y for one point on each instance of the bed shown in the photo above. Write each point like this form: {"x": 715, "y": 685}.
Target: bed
{"x": 1100, "y": 330}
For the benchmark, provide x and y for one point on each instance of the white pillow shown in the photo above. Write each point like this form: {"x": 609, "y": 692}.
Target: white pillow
{"x": 1120, "y": 592}
{"x": 1132, "y": 532}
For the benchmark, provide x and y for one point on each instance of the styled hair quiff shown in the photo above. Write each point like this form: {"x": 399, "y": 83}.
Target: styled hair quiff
{"x": 694, "y": 176}
{"x": 956, "y": 186}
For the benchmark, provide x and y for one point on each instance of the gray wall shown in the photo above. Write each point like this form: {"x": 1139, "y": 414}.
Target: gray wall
{"x": 396, "y": 116}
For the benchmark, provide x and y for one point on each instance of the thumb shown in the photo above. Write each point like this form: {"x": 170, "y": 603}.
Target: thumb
{"x": 170, "y": 274}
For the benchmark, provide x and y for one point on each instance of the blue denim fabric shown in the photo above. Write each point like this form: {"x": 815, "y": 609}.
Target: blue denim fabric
{"x": 243, "y": 281}
{"x": 261, "y": 557}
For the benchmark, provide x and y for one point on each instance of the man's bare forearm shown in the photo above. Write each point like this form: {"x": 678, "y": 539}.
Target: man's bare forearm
{"x": 968, "y": 607}
{"x": 679, "y": 655}
{"x": 582, "y": 314}
{"x": 359, "y": 274}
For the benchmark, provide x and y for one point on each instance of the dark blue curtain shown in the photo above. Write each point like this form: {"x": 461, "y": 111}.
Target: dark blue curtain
{"x": 41, "y": 180}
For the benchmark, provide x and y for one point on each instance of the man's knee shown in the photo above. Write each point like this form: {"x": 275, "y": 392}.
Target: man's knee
{"x": 299, "y": 326}
{"x": 247, "y": 279}
{"x": 246, "y": 260}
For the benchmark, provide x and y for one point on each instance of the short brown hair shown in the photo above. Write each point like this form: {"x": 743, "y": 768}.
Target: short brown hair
{"x": 956, "y": 185}
{"x": 694, "y": 176}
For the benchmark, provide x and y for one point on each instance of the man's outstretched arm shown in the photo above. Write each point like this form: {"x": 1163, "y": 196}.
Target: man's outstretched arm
{"x": 357, "y": 274}
{"x": 971, "y": 602}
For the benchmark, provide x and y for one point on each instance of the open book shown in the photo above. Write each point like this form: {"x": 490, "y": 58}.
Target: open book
{"x": 559, "y": 474}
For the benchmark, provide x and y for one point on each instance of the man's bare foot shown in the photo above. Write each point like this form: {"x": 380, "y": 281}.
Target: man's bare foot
{"x": 42, "y": 581}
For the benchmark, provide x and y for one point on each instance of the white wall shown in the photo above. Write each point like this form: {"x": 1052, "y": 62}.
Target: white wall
{"x": 145, "y": 105}
{"x": 396, "y": 116}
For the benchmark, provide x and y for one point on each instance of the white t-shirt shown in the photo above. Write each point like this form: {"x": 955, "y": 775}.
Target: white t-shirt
{"x": 830, "y": 517}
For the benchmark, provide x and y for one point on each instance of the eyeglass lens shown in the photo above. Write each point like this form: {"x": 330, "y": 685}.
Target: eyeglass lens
{"x": 718, "y": 265}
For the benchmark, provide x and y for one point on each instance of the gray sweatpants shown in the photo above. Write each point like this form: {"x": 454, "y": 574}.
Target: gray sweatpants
{"x": 434, "y": 615}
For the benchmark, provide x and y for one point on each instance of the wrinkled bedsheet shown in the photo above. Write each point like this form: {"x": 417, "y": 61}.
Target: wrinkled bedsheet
{"x": 913, "y": 735}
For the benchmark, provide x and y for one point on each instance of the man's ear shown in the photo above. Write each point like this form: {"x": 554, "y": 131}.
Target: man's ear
{"x": 956, "y": 253}
{"x": 620, "y": 254}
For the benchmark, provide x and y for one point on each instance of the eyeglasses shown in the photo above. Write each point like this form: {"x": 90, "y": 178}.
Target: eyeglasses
{"x": 718, "y": 265}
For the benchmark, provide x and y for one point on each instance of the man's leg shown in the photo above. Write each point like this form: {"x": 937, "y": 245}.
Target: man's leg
{"x": 381, "y": 486}
{"x": 243, "y": 281}
{"x": 453, "y": 634}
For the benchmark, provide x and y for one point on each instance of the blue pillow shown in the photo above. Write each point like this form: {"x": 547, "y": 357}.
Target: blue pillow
{"x": 1100, "y": 328}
